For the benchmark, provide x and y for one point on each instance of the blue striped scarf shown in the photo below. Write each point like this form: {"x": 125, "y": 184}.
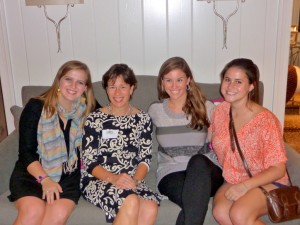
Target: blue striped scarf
{"x": 51, "y": 142}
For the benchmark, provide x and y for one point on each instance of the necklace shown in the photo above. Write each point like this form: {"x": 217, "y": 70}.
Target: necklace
{"x": 126, "y": 114}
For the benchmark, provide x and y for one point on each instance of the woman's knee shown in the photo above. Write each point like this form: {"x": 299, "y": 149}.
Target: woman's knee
{"x": 199, "y": 166}
{"x": 198, "y": 161}
{"x": 131, "y": 205}
{"x": 150, "y": 208}
{"x": 241, "y": 215}
{"x": 61, "y": 211}
{"x": 31, "y": 211}
{"x": 148, "y": 211}
{"x": 237, "y": 215}
{"x": 219, "y": 215}
{"x": 172, "y": 186}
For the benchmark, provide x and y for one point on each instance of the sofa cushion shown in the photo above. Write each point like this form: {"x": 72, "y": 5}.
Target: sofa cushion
{"x": 8, "y": 210}
{"x": 144, "y": 95}
{"x": 16, "y": 112}
{"x": 31, "y": 91}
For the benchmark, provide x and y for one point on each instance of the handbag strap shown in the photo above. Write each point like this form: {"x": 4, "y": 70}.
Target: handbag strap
{"x": 233, "y": 138}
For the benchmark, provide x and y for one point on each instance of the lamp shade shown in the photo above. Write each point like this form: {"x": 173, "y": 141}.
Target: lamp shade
{"x": 292, "y": 82}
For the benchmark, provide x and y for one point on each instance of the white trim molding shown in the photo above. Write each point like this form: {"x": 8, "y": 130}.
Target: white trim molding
{"x": 5, "y": 71}
{"x": 282, "y": 58}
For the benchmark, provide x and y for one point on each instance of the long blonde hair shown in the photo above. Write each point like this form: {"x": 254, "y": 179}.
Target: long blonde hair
{"x": 50, "y": 97}
{"x": 194, "y": 106}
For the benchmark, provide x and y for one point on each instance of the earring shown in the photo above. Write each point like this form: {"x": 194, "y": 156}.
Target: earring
{"x": 82, "y": 99}
{"x": 58, "y": 92}
{"x": 188, "y": 87}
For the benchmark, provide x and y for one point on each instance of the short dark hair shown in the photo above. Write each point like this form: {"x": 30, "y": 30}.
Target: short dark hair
{"x": 117, "y": 70}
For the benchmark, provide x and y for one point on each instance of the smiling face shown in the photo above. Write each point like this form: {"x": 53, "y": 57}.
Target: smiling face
{"x": 175, "y": 83}
{"x": 72, "y": 85}
{"x": 235, "y": 85}
{"x": 119, "y": 92}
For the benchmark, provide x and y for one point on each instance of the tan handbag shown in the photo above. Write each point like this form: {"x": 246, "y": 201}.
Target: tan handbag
{"x": 283, "y": 203}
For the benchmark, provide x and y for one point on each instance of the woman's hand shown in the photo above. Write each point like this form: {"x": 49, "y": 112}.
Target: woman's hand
{"x": 51, "y": 189}
{"x": 236, "y": 191}
{"x": 123, "y": 181}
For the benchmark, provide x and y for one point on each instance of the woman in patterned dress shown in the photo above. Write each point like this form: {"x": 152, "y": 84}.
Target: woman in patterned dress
{"x": 239, "y": 201}
{"x": 117, "y": 146}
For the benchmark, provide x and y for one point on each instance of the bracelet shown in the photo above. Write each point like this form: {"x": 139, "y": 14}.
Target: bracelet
{"x": 45, "y": 179}
{"x": 137, "y": 182}
{"x": 41, "y": 178}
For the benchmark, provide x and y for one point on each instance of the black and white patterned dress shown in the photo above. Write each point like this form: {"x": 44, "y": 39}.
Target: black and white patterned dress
{"x": 120, "y": 154}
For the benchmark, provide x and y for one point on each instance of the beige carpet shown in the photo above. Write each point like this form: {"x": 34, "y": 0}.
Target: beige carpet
{"x": 292, "y": 122}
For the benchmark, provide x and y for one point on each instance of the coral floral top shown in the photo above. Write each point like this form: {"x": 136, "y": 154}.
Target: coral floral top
{"x": 261, "y": 141}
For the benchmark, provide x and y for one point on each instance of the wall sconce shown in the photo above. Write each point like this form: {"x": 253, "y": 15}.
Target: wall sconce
{"x": 43, "y": 3}
{"x": 52, "y": 2}
{"x": 209, "y": 1}
{"x": 225, "y": 20}
{"x": 294, "y": 35}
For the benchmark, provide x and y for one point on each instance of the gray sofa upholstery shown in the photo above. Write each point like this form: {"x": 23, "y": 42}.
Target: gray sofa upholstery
{"x": 85, "y": 213}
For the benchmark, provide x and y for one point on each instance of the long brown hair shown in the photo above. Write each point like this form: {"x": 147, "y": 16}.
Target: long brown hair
{"x": 194, "y": 106}
{"x": 50, "y": 97}
{"x": 252, "y": 72}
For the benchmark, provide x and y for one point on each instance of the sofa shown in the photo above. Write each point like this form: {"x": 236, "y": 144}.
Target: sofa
{"x": 86, "y": 213}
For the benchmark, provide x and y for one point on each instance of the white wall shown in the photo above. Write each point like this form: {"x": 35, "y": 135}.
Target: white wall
{"x": 144, "y": 33}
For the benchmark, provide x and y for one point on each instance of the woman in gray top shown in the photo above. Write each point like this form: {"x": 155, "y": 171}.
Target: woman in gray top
{"x": 185, "y": 176}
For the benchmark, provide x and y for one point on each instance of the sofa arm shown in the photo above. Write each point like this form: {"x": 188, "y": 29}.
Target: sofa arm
{"x": 8, "y": 158}
{"x": 293, "y": 164}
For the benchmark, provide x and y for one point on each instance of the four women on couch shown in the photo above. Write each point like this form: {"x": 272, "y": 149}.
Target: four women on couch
{"x": 117, "y": 142}
{"x": 45, "y": 181}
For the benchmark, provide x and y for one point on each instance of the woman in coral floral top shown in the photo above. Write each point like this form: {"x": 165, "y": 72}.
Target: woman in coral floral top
{"x": 239, "y": 200}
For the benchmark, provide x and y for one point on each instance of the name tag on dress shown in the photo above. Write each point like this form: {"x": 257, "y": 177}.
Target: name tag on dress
{"x": 109, "y": 133}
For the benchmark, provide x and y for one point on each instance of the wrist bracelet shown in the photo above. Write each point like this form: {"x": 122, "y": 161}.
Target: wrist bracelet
{"x": 41, "y": 178}
{"x": 45, "y": 179}
{"x": 137, "y": 182}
